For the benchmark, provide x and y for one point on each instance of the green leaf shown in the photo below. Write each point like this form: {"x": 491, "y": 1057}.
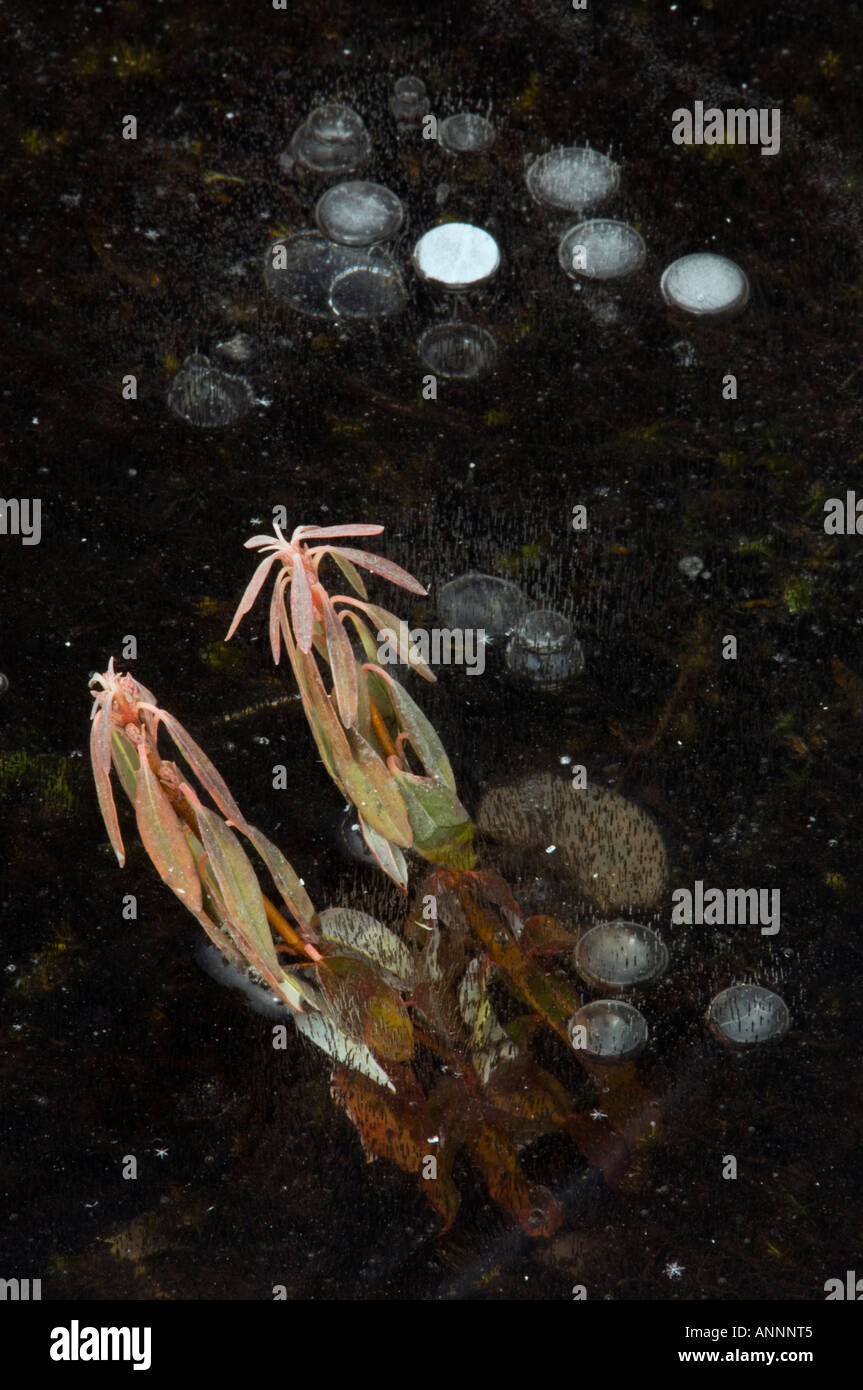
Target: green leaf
{"x": 326, "y": 1034}
{"x": 125, "y": 758}
{"x": 293, "y": 894}
{"x": 373, "y": 790}
{"x": 366, "y": 1006}
{"x": 421, "y": 733}
{"x": 162, "y": 836}
{"x": 239, "y": 890}
{"x": 443, "y": 830}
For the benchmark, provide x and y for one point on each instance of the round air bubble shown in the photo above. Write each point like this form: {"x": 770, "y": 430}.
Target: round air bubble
{"x": 457, "y": 256}
{"x": 620, "y": 955}
{"x": 367, "y": 290}
{"x": 544, "y": 650}
{"x": 745, "y": 1015}
{"x": 601, "y": 250}
{"x": 333, "y": 140}
{"x": 466, "y": 133}
{"x": 705, "y": 285}
{"x": 202, "y": 395}
{"x": 572, "y": 178}
{"x": 408, "y": 99}
{"x": 481, "y": 601}
{"x": 359, "y": 213}
{"x": 462, "y": 351}
{"x": 614, "y": 1031}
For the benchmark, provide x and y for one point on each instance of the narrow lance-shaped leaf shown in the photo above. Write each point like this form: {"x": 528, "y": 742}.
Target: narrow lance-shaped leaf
{"x": 390, "y": 857}
{"x": 351, "y": 573}
{"x": 375, "y": 793}
{"x": 162, "y": 836}
{"x": 100, "y": 759}
{"x": 388, "y": 622}
{"x": 203, "y": 769}
{"x": 294, "y": 895}
{"x": 326, "y": 1034}
{"x": 252, "y": 589}
{"x": 342, "y": 662}
{"x": 307, "y": 533}
{"x": 420, "y": 731}
{"x": 378, "y": 565}
{"x": 302, "y": 607}
{"x": 239, "y": 889}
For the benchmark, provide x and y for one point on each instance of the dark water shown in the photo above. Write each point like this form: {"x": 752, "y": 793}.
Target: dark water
{"x": 124, "y": 257}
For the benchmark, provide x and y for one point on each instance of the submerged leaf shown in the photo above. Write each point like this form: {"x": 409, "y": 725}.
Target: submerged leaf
{"x": 162, "y": 836}
{"x": 370, "y": 939}
{"x": 366, "y": 1006}
{"x": 239, "y": 890}
{"x": 330, "y": 1038}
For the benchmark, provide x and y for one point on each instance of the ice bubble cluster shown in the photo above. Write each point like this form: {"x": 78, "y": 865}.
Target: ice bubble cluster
{"x": 613, "y": 1031}
{"x": 620, "y": 955}
{"x": 466, "y": 133}
{"x": 456, "y": 256}
{"x": 333, "y": 140}
{"x": 705, "y": 284}
{"x": 359, "y": 213}
{"x": 477, "y": 600}
{"x": 572, "y": 179}
{"x": 323, "y": 278}
{"x": 601, "y": 249}
{"x": 408, "y": 99}
{"x": 461, "y": 351}
{"x": 544, "y": 650}
{"x": 608, "y": 846}
{"x": 745, "y": 1015}
{"x": 204, "y": 396}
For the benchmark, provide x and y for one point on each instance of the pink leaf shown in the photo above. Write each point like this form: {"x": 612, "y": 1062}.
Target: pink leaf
{"x": 302, "y": 607}
{"x": 253, "y": 588}
{"x": 305, "y": 533}
{"x": 100, "y": 758}
{"x": 342, "y": 663}
{"x": 378, "y": 565}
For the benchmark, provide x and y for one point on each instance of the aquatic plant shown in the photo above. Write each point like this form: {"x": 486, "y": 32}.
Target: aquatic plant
{"x": 423, "y": 1065}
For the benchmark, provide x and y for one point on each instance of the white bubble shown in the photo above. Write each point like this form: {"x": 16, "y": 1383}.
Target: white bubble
{"x": 747, "y": 1014}
{"x": 705, "y": 284}
{"x": 615, "y": 1031}
{"x": 466, "y": 133}
{"x": 359, "y": 213}
{"x": 477, "y": 600}
{"x": 601, "y": 249}
{"x": 572, "y": 178}
{"x": 458, "y": 350}
{"x": 457, "y": 256}
{"x": 617, "y": 955}
{"x": 202, "y": 395}
{"x": 333, "y": 140}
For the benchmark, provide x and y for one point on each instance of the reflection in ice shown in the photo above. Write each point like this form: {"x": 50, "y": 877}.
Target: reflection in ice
{"x": 202, "y": 395}
{"x": 466, "y": 133}
{"x": 601, "y": 249}
{"x": 614, "y": 1031}
{"x": 458, "y": 350}
{"x": 619, "y": 955}
{"x": 359, "y": 213}
{"x": 705, "y": 284}
{"x": 332, "y": 141}
{"x": 747, "y": 1014}
{"x": 544, "y": 650}
{"x": 572, "y": 178}
{"x": 481, "y": 601}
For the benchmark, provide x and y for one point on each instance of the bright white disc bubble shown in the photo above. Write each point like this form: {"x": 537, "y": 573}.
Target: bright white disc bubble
{"x": 457, "y": 256}
{"x": 748, "y": 1014}
{"x": 705, "y": 284}
{"x": 614, "y": 1031}
{"x": 572, "y": 178}
{"x": 620, "y": 955}
{"x": 359, "y": 213}
{"x": 601, "y": 250}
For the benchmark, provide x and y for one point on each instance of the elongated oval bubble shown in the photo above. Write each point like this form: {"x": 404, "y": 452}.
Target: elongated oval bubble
{"x": 543, "y": 649}
{"x": 466, "y": 133}
{"x": 620, "y": 955}
{"x": 457, "y": 256}
{"x": 609, "y": 847}
{"x": 477, "y": 600}
{"x": 333, "y": 140}
{"x": 461, "y": 351}
{"x": 368, "y": 289}
{"x": 601, "y": 249}
{"x": 572, "y": 178}
{"x": 705, "y": 285}
{"x": 359, "y": 213}
{"x": 613, "y": 1031}
{"x": 202, "y": 395}
{"x": 745, "y": 1015}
